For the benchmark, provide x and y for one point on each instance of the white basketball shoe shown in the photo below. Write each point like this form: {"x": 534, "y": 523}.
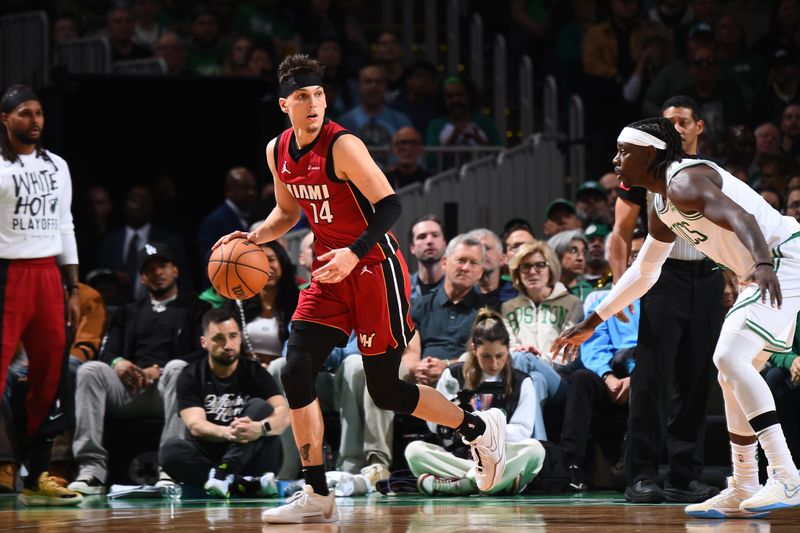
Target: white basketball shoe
{"x": 779, "y": 492}
{"x": 726, "y": 504}
{"x": 489, "y": 450}
{"x": 303, "y": 507}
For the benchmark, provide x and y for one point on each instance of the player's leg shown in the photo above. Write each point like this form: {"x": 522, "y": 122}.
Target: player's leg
{"x": 383, "y": 297}
{"x": 736, "y": 352}
{"x": 308, "y": 346}
{"x": 743, "y": 483}
{"x": 484, "y": 431}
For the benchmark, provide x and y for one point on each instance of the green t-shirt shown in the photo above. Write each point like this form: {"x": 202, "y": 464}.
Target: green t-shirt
{"x": 213, "y": 297}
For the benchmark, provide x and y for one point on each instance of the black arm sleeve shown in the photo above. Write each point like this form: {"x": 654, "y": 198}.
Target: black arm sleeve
{"x": 387, "y": 211}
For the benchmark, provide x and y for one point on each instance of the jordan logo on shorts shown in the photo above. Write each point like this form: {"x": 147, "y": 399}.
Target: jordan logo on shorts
{"x": 285, "y": 170}
{"x": 365, "y": 269}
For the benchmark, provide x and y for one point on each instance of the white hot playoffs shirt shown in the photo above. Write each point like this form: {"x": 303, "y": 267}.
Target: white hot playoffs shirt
{"x": 35, "y": 216}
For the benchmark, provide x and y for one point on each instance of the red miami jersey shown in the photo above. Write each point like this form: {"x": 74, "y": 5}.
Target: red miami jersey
{"x": 336, "y": 210}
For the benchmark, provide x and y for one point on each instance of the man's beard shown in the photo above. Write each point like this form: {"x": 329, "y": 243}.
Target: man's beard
{"x": 23, "y": 137}
{"x": 428, "y": 261}
{"x": 224, "y": 360}
{"x": 158, "y": 293}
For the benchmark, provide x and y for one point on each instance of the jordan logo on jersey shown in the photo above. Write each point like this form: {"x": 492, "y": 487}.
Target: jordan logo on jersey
{"x": 285, "y": 170}
{"x": 365, "y": 270}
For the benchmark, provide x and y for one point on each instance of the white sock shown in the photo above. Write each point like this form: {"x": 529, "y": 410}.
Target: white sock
{"x": 745, "y": 466}
{"x": 777, "y": 451}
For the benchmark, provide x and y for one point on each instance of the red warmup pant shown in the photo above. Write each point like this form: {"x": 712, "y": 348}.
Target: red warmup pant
{"x": 32, "y": 311}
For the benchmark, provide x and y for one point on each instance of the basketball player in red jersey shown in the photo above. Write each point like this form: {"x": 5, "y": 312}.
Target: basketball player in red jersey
{"x": 359, "y": 281}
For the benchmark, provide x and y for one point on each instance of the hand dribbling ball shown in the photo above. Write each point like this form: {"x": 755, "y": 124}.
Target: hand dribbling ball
{"x": 238, "y": 269}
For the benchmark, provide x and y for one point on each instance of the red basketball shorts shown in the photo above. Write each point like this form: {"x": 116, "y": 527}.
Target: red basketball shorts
{"x": 373, "y": 300}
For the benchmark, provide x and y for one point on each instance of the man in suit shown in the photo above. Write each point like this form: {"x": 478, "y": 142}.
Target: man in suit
{"x": 241, "y": 191}
{"x": 120, "y": 249}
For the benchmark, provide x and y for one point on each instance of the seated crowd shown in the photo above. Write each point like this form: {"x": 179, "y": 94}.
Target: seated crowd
{"x": 156, "y": 343}
{"x": 486, "y": 310}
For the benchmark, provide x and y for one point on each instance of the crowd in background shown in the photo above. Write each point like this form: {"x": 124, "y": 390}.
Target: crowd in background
{"x": 735, "y": 67}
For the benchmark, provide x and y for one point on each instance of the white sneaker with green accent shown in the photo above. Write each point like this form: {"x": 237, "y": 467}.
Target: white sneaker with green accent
{"x": 723, "y": 505}
{"x": 489, "y": 450}
{"x": 431, "y": 485}
{"x": 303, "y": 507}
{"x": 269, "y": 486}
{"x": 779, "y": 492}
{"x": 218, "y": 484}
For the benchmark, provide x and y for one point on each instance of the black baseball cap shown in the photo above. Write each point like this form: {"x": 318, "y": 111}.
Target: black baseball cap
{"x": 154, "y": 250}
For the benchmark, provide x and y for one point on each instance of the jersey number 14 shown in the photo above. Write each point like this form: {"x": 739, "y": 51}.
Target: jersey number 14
{"x": 323, "y": 212}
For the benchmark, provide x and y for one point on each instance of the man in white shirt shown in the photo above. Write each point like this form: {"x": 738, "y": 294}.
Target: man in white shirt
{"x": 38, "y": 280}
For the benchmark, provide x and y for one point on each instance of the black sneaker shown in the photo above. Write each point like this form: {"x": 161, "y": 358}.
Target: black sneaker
{"x": 577, "y": 479}
{"x": 644, "y": 491}
{"x": 695, "y": 492}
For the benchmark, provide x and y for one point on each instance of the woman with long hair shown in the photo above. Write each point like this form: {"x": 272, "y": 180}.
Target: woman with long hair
{"x": 486, "y": 379}
{"x": 265, "y": 317}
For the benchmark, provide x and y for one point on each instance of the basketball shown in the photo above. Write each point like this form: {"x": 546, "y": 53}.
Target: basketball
{"x": 238, "y": 269}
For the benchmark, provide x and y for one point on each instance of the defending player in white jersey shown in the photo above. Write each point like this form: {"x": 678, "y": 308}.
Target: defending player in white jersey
{"x": 730, "y": 223}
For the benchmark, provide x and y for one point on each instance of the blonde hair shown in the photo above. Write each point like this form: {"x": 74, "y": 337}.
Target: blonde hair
{"x": 553, "y": 264}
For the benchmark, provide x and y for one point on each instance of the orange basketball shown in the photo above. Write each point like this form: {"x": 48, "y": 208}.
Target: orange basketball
{"x": 238, "y": 269}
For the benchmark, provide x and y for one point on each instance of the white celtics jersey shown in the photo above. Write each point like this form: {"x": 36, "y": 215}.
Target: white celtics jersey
{"x": 719, "y": 244}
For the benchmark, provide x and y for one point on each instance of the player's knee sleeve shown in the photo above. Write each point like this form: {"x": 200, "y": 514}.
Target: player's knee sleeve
{"x": 307, "y": 348}
{"x": 385, "y": 386}
{"x": 735, "y": 352}
{"x": 298, "y": 378}
{"x": 734, "y": 358}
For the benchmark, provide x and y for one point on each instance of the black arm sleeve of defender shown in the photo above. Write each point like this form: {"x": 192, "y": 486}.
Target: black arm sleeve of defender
{"x": 387, "y": 211}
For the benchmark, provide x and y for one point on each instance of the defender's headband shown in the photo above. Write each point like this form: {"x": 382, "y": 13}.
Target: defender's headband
{"x": 640, "y": 138}
{"x": 298, "y": 81}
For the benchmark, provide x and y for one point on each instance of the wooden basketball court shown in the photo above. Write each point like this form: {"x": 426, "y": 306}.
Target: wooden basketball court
{"x": 596, "y": 512}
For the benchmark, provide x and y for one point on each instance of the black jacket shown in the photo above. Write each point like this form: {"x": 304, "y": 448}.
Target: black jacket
{"x": 145, "y": 338}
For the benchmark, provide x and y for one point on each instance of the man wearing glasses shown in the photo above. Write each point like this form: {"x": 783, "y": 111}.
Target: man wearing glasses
{"x": 407, "y": 149}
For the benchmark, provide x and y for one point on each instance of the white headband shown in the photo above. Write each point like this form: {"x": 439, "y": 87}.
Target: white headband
{"x": 640, "y": 138}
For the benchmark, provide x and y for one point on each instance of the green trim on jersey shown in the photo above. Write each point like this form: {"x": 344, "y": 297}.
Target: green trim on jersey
{"x": 766, "y": 335}
{"x": 778, "y": 254}
{"x": 744, "y": 303}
